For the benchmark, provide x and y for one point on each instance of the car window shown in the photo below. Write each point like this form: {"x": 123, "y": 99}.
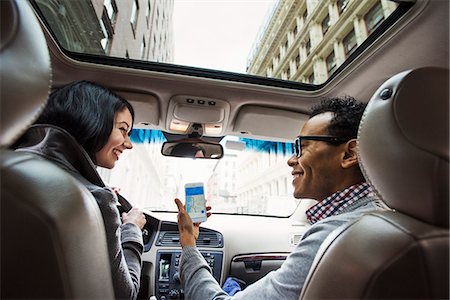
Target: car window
{"x": 255, "y": 180}
{"x": 303, "y": 41}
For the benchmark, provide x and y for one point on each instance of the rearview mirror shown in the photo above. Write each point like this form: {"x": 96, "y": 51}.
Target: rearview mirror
{"x": 192, "y": 148}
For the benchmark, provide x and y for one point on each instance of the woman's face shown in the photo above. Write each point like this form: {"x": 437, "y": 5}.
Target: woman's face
{"x": 118, "y": 140}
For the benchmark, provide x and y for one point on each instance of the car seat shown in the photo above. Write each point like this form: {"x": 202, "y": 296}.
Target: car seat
{"x": 403, "y": 148}
{"x": 53, "y": 242}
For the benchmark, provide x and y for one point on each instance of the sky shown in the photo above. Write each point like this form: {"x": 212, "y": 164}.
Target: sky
{"x": 217, "y": 34}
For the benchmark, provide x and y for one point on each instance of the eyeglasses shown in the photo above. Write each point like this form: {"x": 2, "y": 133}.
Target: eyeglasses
{"x": 334, "y": 140}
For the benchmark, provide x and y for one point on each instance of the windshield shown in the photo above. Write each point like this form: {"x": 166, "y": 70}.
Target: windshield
{"x": 255, "y": 179}
{"x": 290, "y": 40}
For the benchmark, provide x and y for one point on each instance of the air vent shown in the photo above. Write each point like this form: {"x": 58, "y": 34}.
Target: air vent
{"x": 209, "y": 239}
{"x": 206, "y": 239}
{"x": 294, "y": 239}
{"x": 168, "y": 239}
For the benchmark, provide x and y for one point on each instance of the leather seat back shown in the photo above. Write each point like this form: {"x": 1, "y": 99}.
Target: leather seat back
{"x": 403, "y": 147}
{"x": 53, "y": 242}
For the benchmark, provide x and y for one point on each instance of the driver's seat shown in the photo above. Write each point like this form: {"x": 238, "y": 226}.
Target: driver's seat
{"x": 53, "y": 242}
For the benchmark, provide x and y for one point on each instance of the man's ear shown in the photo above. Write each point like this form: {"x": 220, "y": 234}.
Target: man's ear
{"x": 350, "y": 157}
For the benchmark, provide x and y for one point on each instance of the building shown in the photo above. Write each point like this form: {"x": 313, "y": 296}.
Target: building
{"x": 256, "y": 180}
{"x": 221, "y": 185}
{"x": 264, "y": 181}
{"x": 136, "y": 29}
{"x": 306, "y": 40}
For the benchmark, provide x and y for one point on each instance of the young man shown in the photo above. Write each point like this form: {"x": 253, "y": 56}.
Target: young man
{"x": 324, "y": 167}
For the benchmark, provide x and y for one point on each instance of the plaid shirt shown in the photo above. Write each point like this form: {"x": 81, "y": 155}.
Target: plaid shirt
{"x": 337, "y": 202}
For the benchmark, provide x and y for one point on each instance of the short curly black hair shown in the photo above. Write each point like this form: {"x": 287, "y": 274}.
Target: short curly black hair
{"x": 347, "y": 115}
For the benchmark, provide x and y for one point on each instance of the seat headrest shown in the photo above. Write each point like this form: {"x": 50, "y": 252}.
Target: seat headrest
{"x": 25, "y": 71}
{"x": 403, "y": 144}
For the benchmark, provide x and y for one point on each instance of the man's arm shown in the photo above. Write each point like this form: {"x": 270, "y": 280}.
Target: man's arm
{"x": 284, "y": 283}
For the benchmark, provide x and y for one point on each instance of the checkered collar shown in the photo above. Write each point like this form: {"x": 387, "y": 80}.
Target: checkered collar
{"x": 337, "y": 202}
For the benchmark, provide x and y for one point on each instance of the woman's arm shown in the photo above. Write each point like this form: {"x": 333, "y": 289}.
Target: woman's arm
{"x": 125, "y": 246}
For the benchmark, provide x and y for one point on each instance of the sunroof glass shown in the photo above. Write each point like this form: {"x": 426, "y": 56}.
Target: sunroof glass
{"x": 301, "y": 41}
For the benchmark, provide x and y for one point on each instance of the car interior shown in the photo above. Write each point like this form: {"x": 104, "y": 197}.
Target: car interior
{"x": 53, "y": 244}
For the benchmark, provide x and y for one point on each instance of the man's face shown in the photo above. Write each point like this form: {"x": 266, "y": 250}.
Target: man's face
{"x": 316, "y": 173}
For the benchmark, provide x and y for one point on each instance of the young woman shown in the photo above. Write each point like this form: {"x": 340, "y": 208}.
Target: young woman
{"x": 85, "y": 125}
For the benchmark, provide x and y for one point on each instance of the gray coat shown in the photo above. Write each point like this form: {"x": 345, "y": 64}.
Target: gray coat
{"x": 124, "y": 240}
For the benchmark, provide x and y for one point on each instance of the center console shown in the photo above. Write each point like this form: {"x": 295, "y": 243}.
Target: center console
{"x": 167, "y": 283}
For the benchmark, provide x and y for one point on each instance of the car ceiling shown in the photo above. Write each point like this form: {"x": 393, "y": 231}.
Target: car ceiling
{"x": 419, "y": 38}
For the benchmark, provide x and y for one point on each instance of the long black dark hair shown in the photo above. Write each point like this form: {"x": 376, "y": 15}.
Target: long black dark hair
{"x": 86, "y": 110}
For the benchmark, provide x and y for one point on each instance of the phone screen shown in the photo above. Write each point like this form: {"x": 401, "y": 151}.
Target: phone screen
{"x": 195, "y": 202}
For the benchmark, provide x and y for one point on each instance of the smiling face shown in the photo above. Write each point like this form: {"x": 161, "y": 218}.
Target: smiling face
{"x": 118, "y": 140}
{"x": 317, "y": 173}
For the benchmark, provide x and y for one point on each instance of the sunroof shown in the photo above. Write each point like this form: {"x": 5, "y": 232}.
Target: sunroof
{"x": 298, "y": 40}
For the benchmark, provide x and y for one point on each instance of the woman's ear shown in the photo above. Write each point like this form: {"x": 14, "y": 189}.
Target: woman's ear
{"x": 350, "y": 158}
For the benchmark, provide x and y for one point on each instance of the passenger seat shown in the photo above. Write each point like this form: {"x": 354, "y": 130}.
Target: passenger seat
{"x": 403, "y": 147}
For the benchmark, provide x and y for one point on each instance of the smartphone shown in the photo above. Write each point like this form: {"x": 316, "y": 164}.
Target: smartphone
{"x": 195, "y": 201}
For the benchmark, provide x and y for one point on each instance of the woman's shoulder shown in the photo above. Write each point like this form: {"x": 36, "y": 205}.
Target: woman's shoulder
{"x": 104, "y": 196}
{"x": 104, "y": 192}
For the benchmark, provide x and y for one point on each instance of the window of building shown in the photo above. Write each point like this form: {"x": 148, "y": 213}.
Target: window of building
{"x": 374, "y": 17}
{"x": 148, "y": 12}
{"x": 295, "y": 30}
{"x": 127, "y": 55}
{"x": 325, "y": 24}
{"x": 154, "y": 41}
{"x": 297, "y": 61}
{"x": 286, "y": 44}
{"x": 142, "y": 50}
{"x": 308, "y": 46}
{"x": 311, "y": 78}
{"x": 107, "y": 34}
{"x": 350, "y": 43}
{"x": 331, "y": 63}
{"x": 342, "y": 5}
{"x": 111, "y": 9}
{"x": 134, "y": 16}
{"x": 305, "y": 15}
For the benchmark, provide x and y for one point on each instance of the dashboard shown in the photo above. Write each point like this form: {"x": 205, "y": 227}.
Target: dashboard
{"x": 167, "y": 282}
{"x": 241, "y": 246}
{"x": 162, "y": 240}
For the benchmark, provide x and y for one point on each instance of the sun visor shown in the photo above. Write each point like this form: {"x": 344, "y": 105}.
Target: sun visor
{"x": 264, "y": 122}
{"x": 146, "y": 108}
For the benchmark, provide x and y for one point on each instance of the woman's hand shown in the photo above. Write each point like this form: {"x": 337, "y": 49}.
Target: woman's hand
{"x": 115, "y": 189}
{"x": 188, "y": 230}
{"x": 135, "y": 216}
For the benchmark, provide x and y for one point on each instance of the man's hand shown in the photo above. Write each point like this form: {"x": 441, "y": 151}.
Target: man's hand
{"x": 188, "y": 230}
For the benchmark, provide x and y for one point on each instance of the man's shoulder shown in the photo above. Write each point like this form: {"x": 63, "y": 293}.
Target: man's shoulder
{"x": 364, "y": 205}
{"x": 356, "y": 210}
{"x": 323, "y": 227}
